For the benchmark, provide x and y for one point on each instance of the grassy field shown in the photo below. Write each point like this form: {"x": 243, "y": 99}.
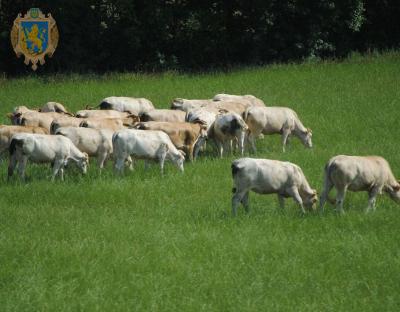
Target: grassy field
{"x": 143, "y": 242}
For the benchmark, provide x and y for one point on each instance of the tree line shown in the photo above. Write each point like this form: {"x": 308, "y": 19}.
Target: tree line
{"x": 155, "y": 35}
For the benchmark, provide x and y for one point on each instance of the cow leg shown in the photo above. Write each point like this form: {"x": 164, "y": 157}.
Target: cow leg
{"x": 245, "y": 202}
{"x": 220, "y": 148}
{"x": 241, "y": 138}
{"x": 252, "y": 140}
{"x": 372, "y": 199}
{"x": 236, "y": 200}
{"x": 62, "y": 172}
{"x": 341, "y": 193}
{"x": 285, "y": 136}
{"x": 190, "y": 151}
{"x": 130, "y": 162}
{"x": 161, "y": 156}
{"x": 296, "y": 196}
{"x": 11, "y": 166}
{"x": 281, "y": 200}
{"x": 328, "y": 185}
{"x": 119, "y": 164}
{"x": 101, "y": 159}
{"x": 22, "y": 166}
{"x": 57, "y": 166}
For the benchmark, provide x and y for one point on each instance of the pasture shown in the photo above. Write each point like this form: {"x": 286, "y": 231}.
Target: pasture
{"x": 143, "y": 242}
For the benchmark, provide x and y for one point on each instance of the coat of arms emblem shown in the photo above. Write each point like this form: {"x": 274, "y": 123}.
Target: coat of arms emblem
{"x": 34, "y": 36}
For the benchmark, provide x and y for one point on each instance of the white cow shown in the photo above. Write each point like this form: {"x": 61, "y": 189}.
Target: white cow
{"x": 94, "y": 142}
{"x": 265, "y": 176}
{"x": 371, "y": 174}
{"x": 187, "y": 105}
{"x": 145, "y": 144}
{"x": 54, "y": 107}
{"x": 251, "y": 99}
{"x": 228, "y": 128}
{"x": 42, "y": 148}
{"x": 131, "y": 105}
{"x": 276, "y": 120}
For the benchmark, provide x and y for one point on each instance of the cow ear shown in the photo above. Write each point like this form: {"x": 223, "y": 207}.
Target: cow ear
{"x": 397, "y": 187}
{"x": 309, "y": 130}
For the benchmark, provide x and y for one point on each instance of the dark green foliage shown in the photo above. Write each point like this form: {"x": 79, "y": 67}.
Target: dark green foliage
{"x": 119, "y": 35}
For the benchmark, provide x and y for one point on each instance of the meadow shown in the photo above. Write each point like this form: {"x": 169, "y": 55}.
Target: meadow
{"x": 143, "y": 242}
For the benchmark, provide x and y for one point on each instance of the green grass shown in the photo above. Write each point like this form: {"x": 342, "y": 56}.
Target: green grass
{"x": 143, "y": 242}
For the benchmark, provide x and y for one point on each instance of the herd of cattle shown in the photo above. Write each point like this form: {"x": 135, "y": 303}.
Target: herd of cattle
{"x": 127, "y": 128}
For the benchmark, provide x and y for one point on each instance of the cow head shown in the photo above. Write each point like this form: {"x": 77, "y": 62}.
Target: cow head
{"x": 306, "y": 137}
{"x": 15, "y": 118}
{"x": 394, "y": 192}
{"x": 83, "y": 162}
{"x": 310, "y": 200}
{"x": 179, "y": 159}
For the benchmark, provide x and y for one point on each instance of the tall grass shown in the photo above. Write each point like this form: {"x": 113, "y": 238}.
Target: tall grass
{"x": 144, "y": 242}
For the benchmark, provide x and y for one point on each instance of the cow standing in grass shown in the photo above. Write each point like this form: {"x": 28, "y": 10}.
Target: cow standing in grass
{"x": 265, "y": 176}
{"x": 145, "y": 144}
{"x": 43, "y": 148}
{"x": 371, "y": 174}
{"x": 276, "y": 120}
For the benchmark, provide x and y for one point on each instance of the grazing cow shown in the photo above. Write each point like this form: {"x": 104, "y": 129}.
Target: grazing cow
{"x": 265, "y": 176}
{"x": 135, "y": 106}
{"x": 155, "y": 145}
{"x": 187, "y": 105}
{"x": 184, "y": 135}
{"x": 65, "y": 121}
{"x": 168, "y": 115}
{"x": 247, "y": 99}
{"x": 98, "y": 113}
{"x": 94, "y": 142}
{"x": 44, "y": 148}
{"x": 6, "y": 133}
{"x": 228, "y": 127}
{"x": 276, "y": 120}
{"x": 371, "y": 174}
{"x": 54, "y": 107}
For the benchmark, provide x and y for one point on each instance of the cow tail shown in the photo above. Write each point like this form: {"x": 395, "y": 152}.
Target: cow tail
{"x": 330, "y": 166}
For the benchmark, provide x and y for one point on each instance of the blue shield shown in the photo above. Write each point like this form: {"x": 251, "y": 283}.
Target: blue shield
{"x": 34, "y": 36}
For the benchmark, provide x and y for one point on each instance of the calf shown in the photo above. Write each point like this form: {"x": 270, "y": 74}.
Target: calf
{"x": 276, "y": 120}
{"x": 155, "y": 145}
{"x": 183, "y": 135}
{"x": 265, "y": 176}
{"x": 371, "y": 174}
{"x": 228, "y": 127}
{"x": 94, "y": 142}
{"x": 41, "y": 148}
